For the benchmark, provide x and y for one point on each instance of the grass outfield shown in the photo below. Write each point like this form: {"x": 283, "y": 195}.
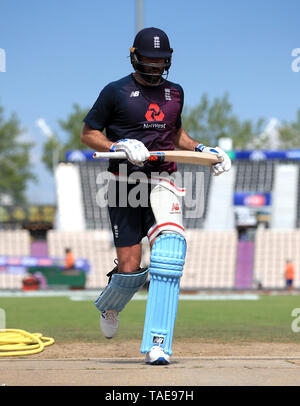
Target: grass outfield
{"x": 268, "y": 319}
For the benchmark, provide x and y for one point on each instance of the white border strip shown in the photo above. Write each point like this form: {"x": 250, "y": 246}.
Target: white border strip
{"x": 93, "y": 295}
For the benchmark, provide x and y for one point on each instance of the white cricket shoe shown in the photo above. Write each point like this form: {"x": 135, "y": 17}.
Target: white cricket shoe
{"x": 109, "y": 323}
{"x": 156, "y": 356}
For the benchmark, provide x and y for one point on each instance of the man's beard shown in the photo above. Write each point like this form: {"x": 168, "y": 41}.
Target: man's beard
{"x": 152, "y": 79}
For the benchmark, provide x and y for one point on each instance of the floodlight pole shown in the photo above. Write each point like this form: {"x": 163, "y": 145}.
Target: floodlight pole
{"x": 41, "y": 123}
{"x": 139, "y": 15}
{"x": 50, "y": 135}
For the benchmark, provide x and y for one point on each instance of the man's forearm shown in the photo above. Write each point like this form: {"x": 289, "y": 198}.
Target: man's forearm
{"x": 95, "y": 139}
{"x": 183, "y": 141}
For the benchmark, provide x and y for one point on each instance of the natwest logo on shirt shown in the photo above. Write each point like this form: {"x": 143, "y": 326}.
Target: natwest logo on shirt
{"x": 154, "y": 113}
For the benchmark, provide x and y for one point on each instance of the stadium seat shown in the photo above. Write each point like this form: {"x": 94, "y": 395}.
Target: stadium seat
{"x": 254, "y": 176}
{"x": 210, "y": 259}
{"x": 95, "y": 246}
{"x": 272, "y": 249}
{"x": 13, "y": 243}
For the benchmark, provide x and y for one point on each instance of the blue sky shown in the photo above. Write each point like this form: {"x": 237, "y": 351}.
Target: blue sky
{"x": 64, "y": 52}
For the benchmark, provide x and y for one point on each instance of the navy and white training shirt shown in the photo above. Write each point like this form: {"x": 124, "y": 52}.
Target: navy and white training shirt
{"x": 127, "y": 109}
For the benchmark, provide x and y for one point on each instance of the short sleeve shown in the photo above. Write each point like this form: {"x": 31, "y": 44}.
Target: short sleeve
{"x": 100, "y": 114}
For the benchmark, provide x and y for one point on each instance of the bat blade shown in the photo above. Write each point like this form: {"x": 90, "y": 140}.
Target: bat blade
{"x": 188, "y": 157}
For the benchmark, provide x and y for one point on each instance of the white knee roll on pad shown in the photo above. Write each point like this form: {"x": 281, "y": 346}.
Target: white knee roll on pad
{"x": 167, "y": 210}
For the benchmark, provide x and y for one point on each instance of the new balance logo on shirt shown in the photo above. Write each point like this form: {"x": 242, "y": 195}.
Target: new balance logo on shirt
{"x": 135, "y": 93}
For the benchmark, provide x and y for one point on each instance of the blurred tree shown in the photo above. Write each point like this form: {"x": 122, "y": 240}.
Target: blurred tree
{"x": 210, "y": 121}
{"x": 54, "y": 149}
{"x": 289, "y": 133}
{"x": 15, "y": 166}
{"x": 73, "y": 127}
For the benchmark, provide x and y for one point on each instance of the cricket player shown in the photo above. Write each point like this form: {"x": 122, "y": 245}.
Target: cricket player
{"x": 140, "y": 113}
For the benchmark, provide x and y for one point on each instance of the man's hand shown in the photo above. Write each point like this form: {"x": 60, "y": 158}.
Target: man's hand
{"x": 135, "y": 150}
{"x": 218, "y": 168}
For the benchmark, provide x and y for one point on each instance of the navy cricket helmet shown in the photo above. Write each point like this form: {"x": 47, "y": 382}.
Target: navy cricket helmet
{"x": 151, "y": 43}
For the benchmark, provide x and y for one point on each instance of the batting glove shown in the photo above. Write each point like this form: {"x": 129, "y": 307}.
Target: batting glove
{"x": 135, "y": 150}
{"x": 219, "y": 168}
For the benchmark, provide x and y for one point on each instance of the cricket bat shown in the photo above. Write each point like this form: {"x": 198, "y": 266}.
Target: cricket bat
{"x": 186, "y": 157}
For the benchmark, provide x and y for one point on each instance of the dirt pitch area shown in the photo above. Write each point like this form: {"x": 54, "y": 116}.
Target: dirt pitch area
{"x": 119, "y": 364}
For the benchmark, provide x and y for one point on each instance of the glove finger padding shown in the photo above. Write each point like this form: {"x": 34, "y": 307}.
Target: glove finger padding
{"x": 217, "y": 169}
{"x": 223, "y": 166}
{"x": 140, "y": 154}
{"x": 135, "y": 150}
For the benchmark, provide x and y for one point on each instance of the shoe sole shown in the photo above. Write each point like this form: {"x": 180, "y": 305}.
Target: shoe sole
{"x": 159, "y": 361}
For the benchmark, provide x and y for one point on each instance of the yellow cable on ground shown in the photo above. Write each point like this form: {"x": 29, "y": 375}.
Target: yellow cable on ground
{"x": 20, "y": 342}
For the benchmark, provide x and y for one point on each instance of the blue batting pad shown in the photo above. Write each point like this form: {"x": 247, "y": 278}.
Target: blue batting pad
{"x": 120, "y": 290}
{"x": 166, "y": 265}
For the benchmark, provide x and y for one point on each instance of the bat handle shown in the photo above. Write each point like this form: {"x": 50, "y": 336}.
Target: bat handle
{"x": 113, "y": 155}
